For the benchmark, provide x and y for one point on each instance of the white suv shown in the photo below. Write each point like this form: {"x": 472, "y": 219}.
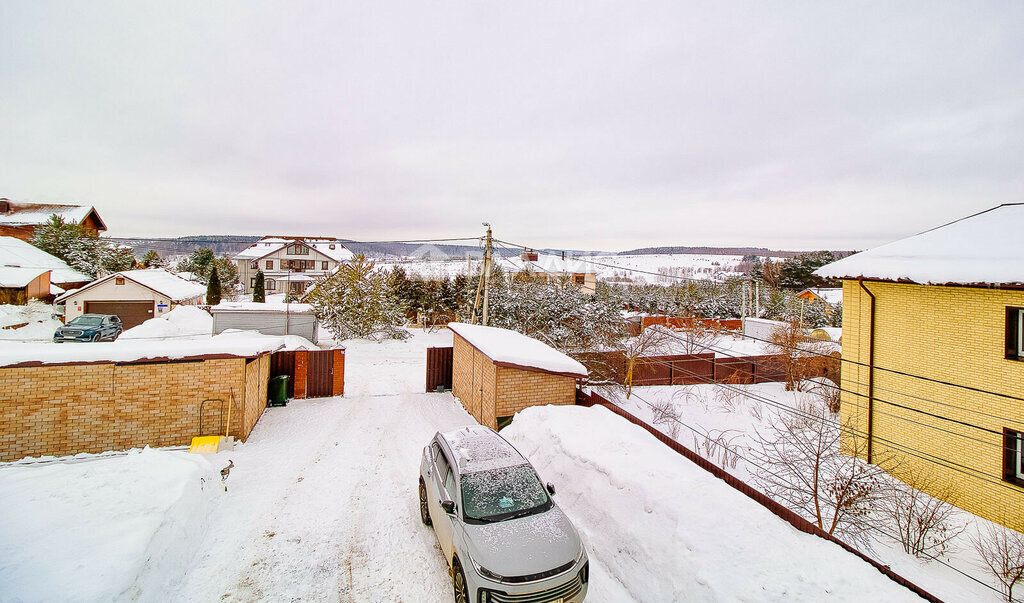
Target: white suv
{"x": 503, "y": 536}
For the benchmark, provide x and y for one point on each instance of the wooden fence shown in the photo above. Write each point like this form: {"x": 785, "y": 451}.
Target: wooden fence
{"x": 795, "y": 520}
{"x": 691, "y": 369}
{"x": 439, "y": 368}
{"x": 314, "y": 373}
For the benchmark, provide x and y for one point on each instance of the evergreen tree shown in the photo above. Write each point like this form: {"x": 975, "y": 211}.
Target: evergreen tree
{"x": 798, "y": 272}
{"x": 116, "y": 258}
{"x": 259, "y": 292}
{"x": 201, "y": 263}
{"x": 213, "y": 288}
{"x": 152, "y": 259}
{"x": 357, "y": 301}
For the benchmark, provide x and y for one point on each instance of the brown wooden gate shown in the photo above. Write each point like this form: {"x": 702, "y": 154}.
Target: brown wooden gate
{"x": 283, "y": 363}
{"x": 439, "y": 368}
{"x": 320, "y": 374}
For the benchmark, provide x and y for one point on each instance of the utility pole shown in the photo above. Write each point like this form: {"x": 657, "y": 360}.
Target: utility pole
{"x": 487, "y": 272}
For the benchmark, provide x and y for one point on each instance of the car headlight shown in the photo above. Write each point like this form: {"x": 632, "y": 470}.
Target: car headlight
{"x": 486, "y": 573}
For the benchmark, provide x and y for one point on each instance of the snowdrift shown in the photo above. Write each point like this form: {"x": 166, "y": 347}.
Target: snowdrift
{"x": 85, "y": 530}
{"x": 669, "y": 531}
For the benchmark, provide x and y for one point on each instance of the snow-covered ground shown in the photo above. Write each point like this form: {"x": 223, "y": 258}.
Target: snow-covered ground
{"x": 321, "y": 505}
{"x": 181, "y": 322}
{"x": 711, "y": 413}
{"x": 40, "y": 326}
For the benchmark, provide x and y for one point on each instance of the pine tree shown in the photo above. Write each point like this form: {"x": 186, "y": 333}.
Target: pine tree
{"x": 152, "y": 259}
{"x": 213, "y": 288}
{"x": 358, "y": 302}
{"x": 259, "y": 292}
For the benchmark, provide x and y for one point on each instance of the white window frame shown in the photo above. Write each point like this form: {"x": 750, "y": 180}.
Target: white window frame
{"x": 1020, "y": 456}
{"x": 1020, "y": 334}
{"x": 270, "y": 284}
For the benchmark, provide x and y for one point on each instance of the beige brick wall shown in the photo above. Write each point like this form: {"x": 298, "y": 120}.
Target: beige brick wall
{"x": 61, "y": 410}
{"x": 952, "y": 334}
{"x": 488, "y": 392}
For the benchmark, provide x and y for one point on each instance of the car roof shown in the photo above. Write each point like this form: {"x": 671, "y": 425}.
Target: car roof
{"x": 96, "y": 315}
{"x": 478, "y": 448}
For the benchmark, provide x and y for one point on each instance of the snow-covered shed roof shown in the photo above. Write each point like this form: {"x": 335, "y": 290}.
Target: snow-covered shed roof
{"x": 508, "y": 348}
{"x": 157, "y": 279}
{"x": 547, "y": 264}
{"x": 18, "y": 277}
{"x": 831, "y": 296}
{"x": 981, "y": 249}
{"x": 269, "y": 245}
{"x": 262, "y": 307}
{"x": 18, "y": 253}
{"x": 28, "y": 214}
{"x": 236, "y": 344}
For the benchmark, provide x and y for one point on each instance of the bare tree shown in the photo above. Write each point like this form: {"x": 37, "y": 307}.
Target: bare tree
{"x": 800, "y": 357}
{"x": 719, "y": 447}
{"x": 1002, "y": 551}
{"x": 652, "y": 341}
{"x": 924, "y": 523}
{"x": 804, "y": 470}
{"x": 665, "y": 413}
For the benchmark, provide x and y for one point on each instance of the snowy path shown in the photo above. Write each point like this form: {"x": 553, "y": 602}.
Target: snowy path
{"x": 322, "y": 500}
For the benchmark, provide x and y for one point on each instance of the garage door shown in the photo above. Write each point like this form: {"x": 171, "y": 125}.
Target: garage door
{"x": 131, "y": 313}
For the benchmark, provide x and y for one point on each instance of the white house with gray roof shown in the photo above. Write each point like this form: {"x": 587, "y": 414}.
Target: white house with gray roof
{"x": 289, "y": 263}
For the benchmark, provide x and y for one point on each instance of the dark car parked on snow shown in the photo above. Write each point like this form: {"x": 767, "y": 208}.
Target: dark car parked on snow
{"x": 89, "y": 327}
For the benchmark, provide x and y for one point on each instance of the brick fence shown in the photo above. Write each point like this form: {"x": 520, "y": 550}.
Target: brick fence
{"x": 63, "y": 409}
{"x": 798, "y": 522}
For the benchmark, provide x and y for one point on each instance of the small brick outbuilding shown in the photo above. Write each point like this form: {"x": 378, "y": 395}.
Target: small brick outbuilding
{"x": 497, "y": 373}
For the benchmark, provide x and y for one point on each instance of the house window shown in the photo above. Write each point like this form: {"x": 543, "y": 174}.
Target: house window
{"x": 331, "y": 246}
{"x": 119, "y": 280}
{"x": 254, "y": 265}
{"x": 1013, "y": 456}
{"x": 298, "y": 250}
{"x": 270, "y": 284}
{"x": 579, "y": 279}
{"x": 323, "y": 265}
{"x": 1015, "y": 333}
{"x": 252, "y": 283}
{"x": 270, "y": 264}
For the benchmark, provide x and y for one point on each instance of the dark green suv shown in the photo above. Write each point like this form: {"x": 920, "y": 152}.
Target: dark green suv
{"x": 89, "y": 327}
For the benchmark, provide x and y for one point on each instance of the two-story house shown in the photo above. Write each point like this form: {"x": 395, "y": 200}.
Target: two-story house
{"x": 20, "y": 220}
{"x": 289, "y": 263}
{"x": 933, "y": 360}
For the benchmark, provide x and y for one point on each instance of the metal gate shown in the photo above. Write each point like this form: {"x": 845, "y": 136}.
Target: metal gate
{"x": 320, "y": 374}
{"x": 283, "y": 363}
{"x": 439, "y": 368}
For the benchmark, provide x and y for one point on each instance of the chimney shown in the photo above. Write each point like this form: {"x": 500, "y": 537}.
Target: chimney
{"x": 5, "y": 206}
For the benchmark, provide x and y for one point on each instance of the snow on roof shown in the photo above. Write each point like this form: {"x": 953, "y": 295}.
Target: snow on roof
{"x": 26, "y": 214}
{"x": 978, "y": 249}
{"x": 242, "y": 344}
{"x": 15, "y": 252}
{"x": 262, "y": 307}
{"x": 157, "y": 279}
{"x": 509, "y": 347}
{"x": 18, "y": 277}
{"x": 831, "y": 296}
{"x": 478, "y": 448}
{"x": 268, "y": 245}
{"x": 550, "y": 265}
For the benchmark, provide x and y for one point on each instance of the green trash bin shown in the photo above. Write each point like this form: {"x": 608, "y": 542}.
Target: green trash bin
{"x": 277, "y": 392}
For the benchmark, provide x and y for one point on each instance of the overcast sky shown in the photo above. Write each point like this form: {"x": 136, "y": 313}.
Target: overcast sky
{"x": 586, "y": 124}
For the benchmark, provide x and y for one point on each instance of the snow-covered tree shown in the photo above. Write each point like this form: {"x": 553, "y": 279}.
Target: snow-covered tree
{"x": 201, "y": 262}
{"x": 81, "y": 249}
{"x": 213, "y": 288}
{"x": 357, "y": 302}
{"x": 152, "y": 259}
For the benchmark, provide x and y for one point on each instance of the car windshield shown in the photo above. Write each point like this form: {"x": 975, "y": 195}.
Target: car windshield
{"x": 87, "y": 321}
{"x": 503, "y": 494}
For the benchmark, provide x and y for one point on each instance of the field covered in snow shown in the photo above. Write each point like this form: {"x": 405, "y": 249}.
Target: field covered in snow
{"x": 321, "y": 505}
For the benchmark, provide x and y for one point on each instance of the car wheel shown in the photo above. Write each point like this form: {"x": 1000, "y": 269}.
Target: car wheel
{"x": 96, "y": 337}
{"x": 459, "y": 582}
{"x": 424, "y": 510}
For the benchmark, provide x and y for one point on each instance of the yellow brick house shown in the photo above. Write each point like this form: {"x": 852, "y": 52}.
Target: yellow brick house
{"x": 933, "y": 359}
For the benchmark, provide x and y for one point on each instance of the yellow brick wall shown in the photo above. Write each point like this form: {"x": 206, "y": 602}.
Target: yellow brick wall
{"x": 488, "y": 391}
{"x": 951, "y": 334}
{"x": 61, "y": 410}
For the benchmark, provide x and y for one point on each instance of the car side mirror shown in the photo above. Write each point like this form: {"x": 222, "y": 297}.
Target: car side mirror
{"x": 448, "y": 506}
{"x": 551, "y": 488}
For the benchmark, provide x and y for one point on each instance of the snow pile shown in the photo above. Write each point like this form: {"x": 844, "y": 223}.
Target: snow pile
{"x": 182, "y": 321}
{"x": 503, "y": 345}
{"x": 37, "y": 314}
{"x": 669, "y": 531}
{"x": 85, "y": 530}
{"x": 977, "y": 249}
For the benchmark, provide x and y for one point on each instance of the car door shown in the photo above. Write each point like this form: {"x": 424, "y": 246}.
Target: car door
{"x": 442, "y": 521}
{"x": 107, "y": 328}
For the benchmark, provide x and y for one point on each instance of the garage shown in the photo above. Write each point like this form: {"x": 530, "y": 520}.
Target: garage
{"x": 131, "y": 313}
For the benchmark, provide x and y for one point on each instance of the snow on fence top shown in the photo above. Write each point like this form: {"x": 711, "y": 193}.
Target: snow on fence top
{"x": 262, "y": 307}
{"x": 240, "y": 344}
{"x": 508, "y": 347}
{"x": 978, "y": 249}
